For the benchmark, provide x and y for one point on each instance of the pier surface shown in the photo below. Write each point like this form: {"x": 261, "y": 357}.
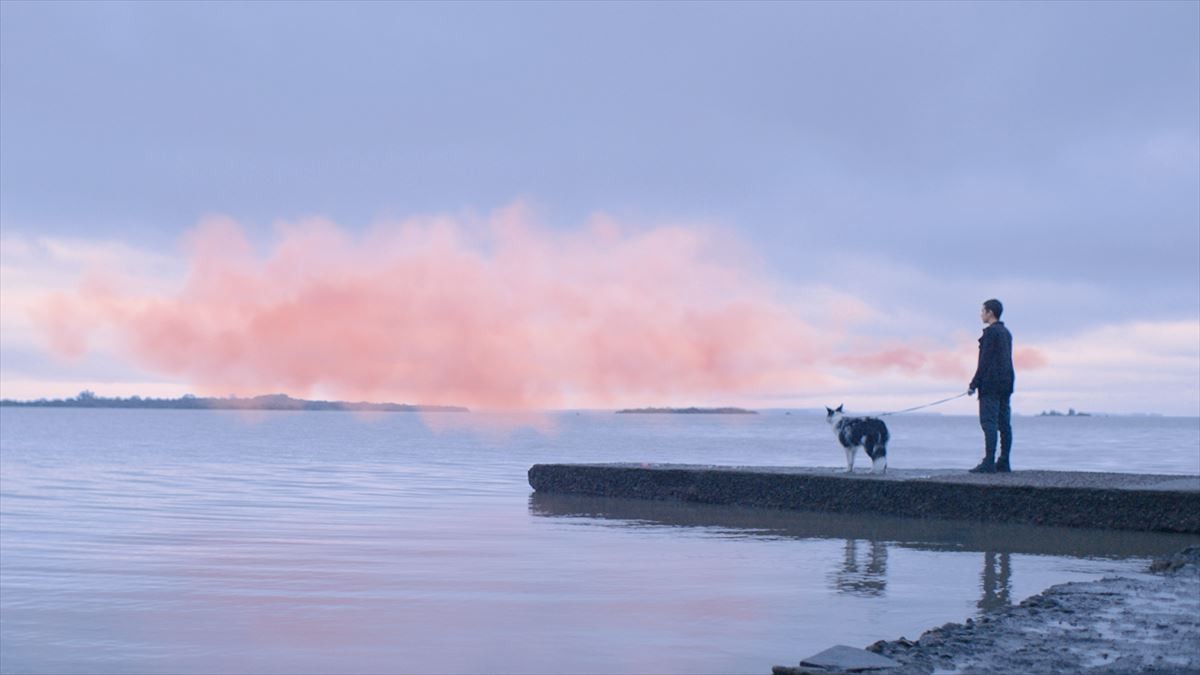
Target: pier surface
{"x": 1158, "y": 503}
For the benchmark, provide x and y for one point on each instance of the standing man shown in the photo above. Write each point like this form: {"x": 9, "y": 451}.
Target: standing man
{"x": 994, "y": 381}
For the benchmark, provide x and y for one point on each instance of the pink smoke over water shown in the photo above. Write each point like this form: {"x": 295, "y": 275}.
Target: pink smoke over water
{"x": 497, "y": 313}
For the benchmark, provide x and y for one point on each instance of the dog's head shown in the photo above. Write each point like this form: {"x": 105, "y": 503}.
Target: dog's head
{"x": 832, "y": 415}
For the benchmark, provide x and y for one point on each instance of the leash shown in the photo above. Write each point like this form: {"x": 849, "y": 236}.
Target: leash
{"x": 927, "y": 405}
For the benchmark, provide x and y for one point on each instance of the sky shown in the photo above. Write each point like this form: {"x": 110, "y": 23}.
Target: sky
{"x": 556, "y": 205}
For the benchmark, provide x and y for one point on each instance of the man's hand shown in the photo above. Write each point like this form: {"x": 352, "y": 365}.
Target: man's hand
{"x": 971, "y": 392}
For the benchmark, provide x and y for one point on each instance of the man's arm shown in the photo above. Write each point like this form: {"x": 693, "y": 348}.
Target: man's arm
{"x": 986, "y": 344}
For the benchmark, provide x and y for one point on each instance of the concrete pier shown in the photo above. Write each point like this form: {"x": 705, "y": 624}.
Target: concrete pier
{"x": 1155, "y": 503}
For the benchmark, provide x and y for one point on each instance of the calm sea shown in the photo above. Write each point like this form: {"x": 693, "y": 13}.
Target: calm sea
{"x": 168, "y": 541}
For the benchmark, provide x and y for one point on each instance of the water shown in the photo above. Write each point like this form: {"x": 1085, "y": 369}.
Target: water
{"x": 210, "y": 541}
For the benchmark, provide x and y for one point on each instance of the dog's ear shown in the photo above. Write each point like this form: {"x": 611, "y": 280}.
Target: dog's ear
{"x": 828, "y": 410}
{"x": 839, "y": 409}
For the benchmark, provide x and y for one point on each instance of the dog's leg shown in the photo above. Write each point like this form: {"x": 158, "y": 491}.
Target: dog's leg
{"x": 877, "y": 451}
{"x": 850, "y": 452}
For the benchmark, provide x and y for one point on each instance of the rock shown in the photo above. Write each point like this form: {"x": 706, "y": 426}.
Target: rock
{"x": 1173, "y": 563}
{"x": 842, "y": 657}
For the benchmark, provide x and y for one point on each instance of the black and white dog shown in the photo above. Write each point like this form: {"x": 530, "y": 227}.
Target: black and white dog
{"x": 870, "y": 433}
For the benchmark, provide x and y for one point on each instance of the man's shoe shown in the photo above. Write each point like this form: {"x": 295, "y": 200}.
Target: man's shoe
{"x": 985, "y": 467}
{"x": 1003, "y": 467}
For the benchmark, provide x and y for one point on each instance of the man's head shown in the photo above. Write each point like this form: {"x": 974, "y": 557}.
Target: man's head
{"x": 992, "y": 309}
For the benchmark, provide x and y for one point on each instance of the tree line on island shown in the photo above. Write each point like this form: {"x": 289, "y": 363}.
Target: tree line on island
{"x": 88, "y": 399}
{"x": 1071, "y": 412}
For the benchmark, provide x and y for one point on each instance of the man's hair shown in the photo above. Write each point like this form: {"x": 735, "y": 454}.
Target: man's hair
{"x": 994, "y": 307}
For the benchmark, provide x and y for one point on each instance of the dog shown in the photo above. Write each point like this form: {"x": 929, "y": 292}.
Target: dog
{"x": 869, "y": 433}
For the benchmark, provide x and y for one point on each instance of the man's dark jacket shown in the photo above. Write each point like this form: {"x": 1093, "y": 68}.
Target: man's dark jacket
{"x": 994, "y": 375}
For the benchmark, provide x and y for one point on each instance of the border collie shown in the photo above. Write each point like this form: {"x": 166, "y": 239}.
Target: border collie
{"x": 869, "y": 433}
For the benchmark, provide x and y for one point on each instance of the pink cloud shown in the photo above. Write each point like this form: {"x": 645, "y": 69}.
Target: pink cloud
{"x": 954, "y": 364}
{"x": 499, "y": 313}
{"x": 949, "y": 364}
{"x": 1029, "y": 358}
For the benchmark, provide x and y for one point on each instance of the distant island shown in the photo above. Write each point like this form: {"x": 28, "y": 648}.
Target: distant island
{"x": 87, "y": 399}
{"x": 688, "y": 411}
{"x": 1070, "y": 413}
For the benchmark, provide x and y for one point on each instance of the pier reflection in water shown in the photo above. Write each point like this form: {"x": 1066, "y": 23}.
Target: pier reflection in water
{"x": 863, "y": 569}
{"x": 996, "y": 581}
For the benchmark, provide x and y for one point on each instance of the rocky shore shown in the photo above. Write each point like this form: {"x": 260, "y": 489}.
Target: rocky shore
{"x": 1148, "y": 624}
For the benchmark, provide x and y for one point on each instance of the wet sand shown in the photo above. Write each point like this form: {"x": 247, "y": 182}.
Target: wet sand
{"x": 1115, "y": 625}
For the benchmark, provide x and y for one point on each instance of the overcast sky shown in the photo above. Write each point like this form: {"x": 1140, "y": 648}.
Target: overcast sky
{"x": 916, "y": 157}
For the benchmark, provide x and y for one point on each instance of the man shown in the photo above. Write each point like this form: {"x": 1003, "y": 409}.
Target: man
{"x": 994, "y": 381}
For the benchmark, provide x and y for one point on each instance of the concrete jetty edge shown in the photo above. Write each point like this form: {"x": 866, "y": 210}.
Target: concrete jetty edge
{"x": 1155, "y": 503}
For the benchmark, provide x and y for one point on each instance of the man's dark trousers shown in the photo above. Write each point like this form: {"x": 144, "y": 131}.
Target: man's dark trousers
{"x": 995, "y": 416}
